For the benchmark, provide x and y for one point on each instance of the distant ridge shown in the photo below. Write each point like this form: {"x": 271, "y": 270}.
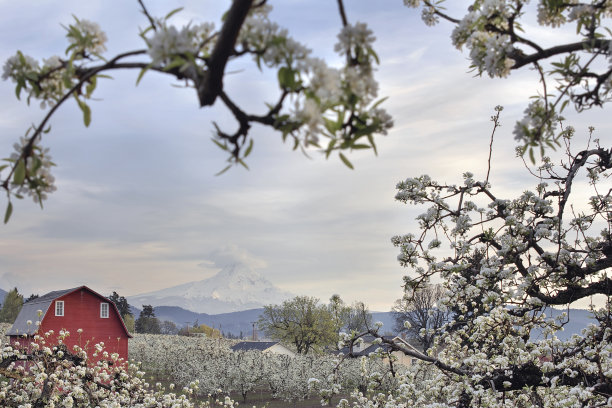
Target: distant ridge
{"x": 242, "y": 321}
{"x": 229, "y": 323}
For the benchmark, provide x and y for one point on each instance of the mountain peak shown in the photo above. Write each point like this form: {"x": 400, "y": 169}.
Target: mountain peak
{"x": 234, "y": 288}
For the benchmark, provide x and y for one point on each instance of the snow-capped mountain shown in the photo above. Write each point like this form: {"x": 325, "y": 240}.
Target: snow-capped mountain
{"x": 236, "y": 287}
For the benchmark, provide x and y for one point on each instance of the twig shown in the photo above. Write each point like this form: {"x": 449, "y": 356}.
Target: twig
{"x": 495, "y": 120}
{"x": 146, "y": 13}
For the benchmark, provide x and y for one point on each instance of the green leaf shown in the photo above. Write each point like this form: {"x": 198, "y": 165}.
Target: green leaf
{"x": 67, "y": 81}
{"x": 286, "y": 78}
{"x": 378, "y": 102}
{"x": 340, "y": 120}
{"x": 563, "y": 105}
{"x": 222, "y": 146}
{"x": 346, "y": 161}
{"x": 331, "y": 125}
{"x": 360, "y": 146}
{"x": 32, "y": 76}
{"x": 330, "y": 148}
{"x": 69, "y": 48}
{"x": 531, "y": 155}
{"x": 176, "y": 62}
{"x": 145, "y": 31}
{"x": 20, "y": 173}
{"x": 91, "y": 86}
{"x": 4, "y": 166}
{"x": 371, "y": 140}
{"x": 229, "y": 166}
{"x": 283, "y": 77}
{"x": 373, "y": 54}
{"x": 173, "y": 12}
{"x": 249, "y": 149}
{"x": 19, "y": 87}
{"x": 86, "y": 111}
{"x": 367, "y": 130}
{"x": 9, "y": 211}
{"x": 243, "y": 164}
{"x": 142, "y": 72}
{"x": 37, "y": 163}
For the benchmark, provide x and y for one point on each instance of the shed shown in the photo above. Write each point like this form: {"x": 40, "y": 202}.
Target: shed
{"x": 70, "y": 310}
{"x": 273, "y": 347}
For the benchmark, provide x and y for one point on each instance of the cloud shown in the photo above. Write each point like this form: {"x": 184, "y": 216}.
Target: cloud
{"x": 232, "y": 254}
{"x": 10, "y": 280}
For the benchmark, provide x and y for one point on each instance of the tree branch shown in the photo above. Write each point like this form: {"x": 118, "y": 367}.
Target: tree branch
{"x": 212, "y": 84}
{"x": 521, "y": 59}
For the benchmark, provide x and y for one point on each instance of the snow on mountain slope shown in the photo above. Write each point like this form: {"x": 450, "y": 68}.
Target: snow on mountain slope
{"x": 236, "y": 287}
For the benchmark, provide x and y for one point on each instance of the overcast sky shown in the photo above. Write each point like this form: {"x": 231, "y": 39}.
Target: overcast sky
{"x": 139, "y": 208}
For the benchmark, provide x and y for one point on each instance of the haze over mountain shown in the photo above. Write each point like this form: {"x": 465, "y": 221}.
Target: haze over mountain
{"x": 234, "y": 288}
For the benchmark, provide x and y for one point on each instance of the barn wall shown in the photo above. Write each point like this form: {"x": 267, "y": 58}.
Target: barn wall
{"x": 82, "y": 311}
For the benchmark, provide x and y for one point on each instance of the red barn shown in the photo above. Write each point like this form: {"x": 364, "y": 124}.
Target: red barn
{"x": 79, "y": 308}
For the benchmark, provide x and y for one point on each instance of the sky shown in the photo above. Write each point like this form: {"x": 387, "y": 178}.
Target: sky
{"x": 139, "y": 208}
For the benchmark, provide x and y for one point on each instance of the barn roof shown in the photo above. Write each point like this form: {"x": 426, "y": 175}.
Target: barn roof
{"x": 253, "y": 345}
{"x": 30, "y": 312}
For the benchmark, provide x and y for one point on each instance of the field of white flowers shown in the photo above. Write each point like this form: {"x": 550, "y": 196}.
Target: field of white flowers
{"x": 189, "y": 372}
{"x": 219, "y": 371}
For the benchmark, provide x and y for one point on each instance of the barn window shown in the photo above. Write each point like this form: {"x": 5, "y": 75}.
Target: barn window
{"x": 59, "y": 307}
{"x": 104, "y": 310}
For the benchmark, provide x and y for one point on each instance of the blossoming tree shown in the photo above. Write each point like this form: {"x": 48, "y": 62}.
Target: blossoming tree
{"x": 494, "y": 33}
{"x": 504, "y": 262}
{"x": 316, "y": 102}
{"x": 55, "y": 376}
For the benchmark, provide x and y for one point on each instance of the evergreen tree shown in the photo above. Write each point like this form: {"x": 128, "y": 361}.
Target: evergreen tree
{"x": 121, "y": 303}
{"x": 147, "y": 322}
{"x": 11, "y": 306}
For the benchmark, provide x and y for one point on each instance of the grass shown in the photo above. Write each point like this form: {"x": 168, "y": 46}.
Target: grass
{"x": 257, "y": 398}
